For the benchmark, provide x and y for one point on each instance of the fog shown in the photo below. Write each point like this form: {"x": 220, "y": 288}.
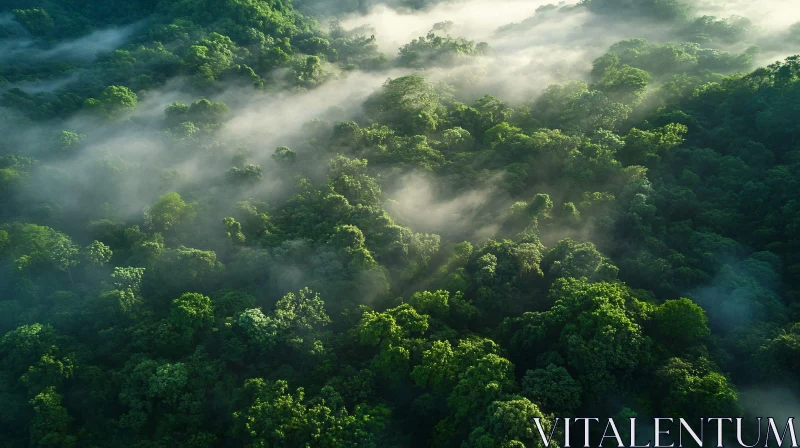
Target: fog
{"x": 6, "y": 19}
{"x": 83, "y": 49}
{"x": 769, "y": 15}
{"x": 106, "y": 160}
{"x": 521, "y": 63}
{"x": 415, "y": 201}
{"x": 531, "y": 49}
{"x": 774, "y": 401}
{"x": 476, "y": 19}
{"x": 268, "y": 121}
{"x": 45, "y": 85}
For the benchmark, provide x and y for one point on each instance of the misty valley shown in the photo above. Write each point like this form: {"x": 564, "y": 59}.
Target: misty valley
{"x": 398, "y": 223}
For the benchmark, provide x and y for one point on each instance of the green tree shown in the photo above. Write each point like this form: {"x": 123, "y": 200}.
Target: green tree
{"x": 51, "y": 427}
{"x": 169, "y": 211}
{"x": 96, "y": 254}
{"x": 191, "y": 312}
{"x": 37, "y": 21}
{"x": 234, "y": 231}
{"x": 25, "y": 345}
{"x": 625, "y": 84}
{"x": 69, "y": 142}
{"x": 569, "y": 259}
{"x": 490, "y": 379}
{"x": 115, "y": 101}
{"x": 553, "y": 388}
{"x": 696, "y": 388}
{"x": 35, "y": 249}
{"x": 510, "y": 423}
{"x": 680, "y": 323}
{"x": 301, "y": 313}
{"x": 260, "y": 329}
{"x": 408, "y": 104}
{"x": 284, "y": 156}
{"x": 435, "y": 304}
{"x": 647, "y": 147}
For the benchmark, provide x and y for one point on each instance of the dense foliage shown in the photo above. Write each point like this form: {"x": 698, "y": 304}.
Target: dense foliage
{"x": 165, "y": 281}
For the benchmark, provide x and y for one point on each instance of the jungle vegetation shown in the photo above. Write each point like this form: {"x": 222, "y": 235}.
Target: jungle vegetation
{"x": 168, "y": 278}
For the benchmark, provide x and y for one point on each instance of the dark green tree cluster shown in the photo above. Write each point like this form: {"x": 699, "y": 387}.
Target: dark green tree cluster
{"x": 165, "y": 281}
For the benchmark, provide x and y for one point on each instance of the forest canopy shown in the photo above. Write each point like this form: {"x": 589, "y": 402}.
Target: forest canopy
{"x": 399, "y": 223}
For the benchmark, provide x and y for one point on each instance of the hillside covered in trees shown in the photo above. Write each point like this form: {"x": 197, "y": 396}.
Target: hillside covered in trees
{"x": 352, "y": 223}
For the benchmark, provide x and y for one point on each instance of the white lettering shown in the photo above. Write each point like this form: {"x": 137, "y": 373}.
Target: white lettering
{"x": 789, "y": 426}
{"x": 659, "y": 432}
{"x": 739, "y": 433}
{"x": 547, "y": 440}
{"x": 683, "y": 424}
{"x": 719, "y": 428}
{"x": 586, "y": 429}
{"x": 615, "y": 436}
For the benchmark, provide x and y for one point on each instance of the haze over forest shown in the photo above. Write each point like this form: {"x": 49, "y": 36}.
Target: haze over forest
{"x": 394, "y": 223}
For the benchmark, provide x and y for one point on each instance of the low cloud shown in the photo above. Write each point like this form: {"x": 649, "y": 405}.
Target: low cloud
{"x": 418, "y": 201}
{"x": 82, "y": 49}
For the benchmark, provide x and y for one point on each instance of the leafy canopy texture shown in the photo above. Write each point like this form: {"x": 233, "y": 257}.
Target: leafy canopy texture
{"x": 232, "y": 223}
